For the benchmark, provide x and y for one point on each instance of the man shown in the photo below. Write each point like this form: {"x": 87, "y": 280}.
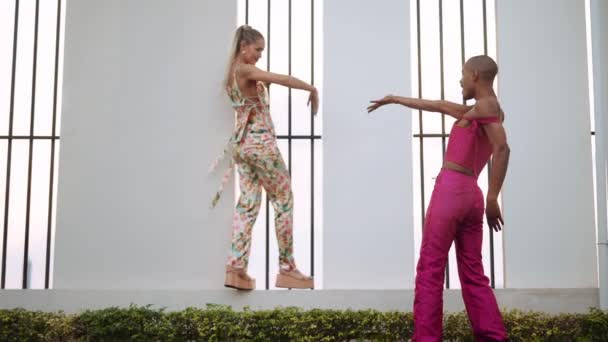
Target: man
{"x": 455, "y": 213}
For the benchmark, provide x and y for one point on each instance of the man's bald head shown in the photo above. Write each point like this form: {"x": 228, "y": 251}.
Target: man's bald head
{"x": 484, "y": 66}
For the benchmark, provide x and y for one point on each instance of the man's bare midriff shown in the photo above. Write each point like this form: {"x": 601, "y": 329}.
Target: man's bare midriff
{"x": 458, "y": 168}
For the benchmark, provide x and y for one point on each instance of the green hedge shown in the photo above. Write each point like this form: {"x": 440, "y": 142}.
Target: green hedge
{"x": 220, "y": 323}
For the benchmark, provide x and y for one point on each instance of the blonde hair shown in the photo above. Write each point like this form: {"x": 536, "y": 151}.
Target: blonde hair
{"x": 244, "y": 34}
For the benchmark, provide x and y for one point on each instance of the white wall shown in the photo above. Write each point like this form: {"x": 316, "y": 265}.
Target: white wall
{"x": 368, "y": 235}
{"x": 143, "y": 116}
{"x": 74, "y": 301}
{"x": 549, "y": 237}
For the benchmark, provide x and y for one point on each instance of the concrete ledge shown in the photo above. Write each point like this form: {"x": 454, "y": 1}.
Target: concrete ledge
{"x": 71, "y": 301}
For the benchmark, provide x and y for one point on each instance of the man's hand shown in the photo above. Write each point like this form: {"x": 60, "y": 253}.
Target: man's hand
{"x": 375, "y": 104}
{"x": 494, "y": 215}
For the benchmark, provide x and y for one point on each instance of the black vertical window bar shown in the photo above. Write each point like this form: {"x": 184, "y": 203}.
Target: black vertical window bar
{"x": 485, "y": 52}
{"x": 26, "y": 241}
{"x": 289, "y": 103}
{"x": 9, "y": 147}
{"x": 420, "y": 123}
{"x": 267, "y": 200}
{"x": 442, "y": 86}
{"x": 53, "y": 133}
{"x": 312, "y": 142}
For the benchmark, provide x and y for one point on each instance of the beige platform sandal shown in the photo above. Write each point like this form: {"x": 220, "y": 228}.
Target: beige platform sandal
{"x": 294, "y": 279}
{"x": 238, "y": 279}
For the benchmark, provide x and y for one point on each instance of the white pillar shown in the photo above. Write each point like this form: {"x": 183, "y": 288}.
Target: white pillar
{"x": 143, "y": 116}
{"x": 367, "y": 164}
{"x": 599, "y": 38}
{"x": 549, "y": 236}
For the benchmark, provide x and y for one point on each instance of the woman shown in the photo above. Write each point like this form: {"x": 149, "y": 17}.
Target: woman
{"x": 253, "y": 146}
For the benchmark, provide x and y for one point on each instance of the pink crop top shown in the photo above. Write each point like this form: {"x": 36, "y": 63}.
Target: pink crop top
{"x": 469, "y": 146}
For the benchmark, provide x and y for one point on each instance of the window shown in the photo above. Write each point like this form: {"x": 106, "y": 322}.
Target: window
{"x": 292, "y": 30}
{"x": 30, "y": 98}
{"x": 444, "y": 35}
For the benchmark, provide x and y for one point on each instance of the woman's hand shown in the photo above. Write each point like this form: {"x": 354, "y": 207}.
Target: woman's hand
{"x": 313, "y": 99}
